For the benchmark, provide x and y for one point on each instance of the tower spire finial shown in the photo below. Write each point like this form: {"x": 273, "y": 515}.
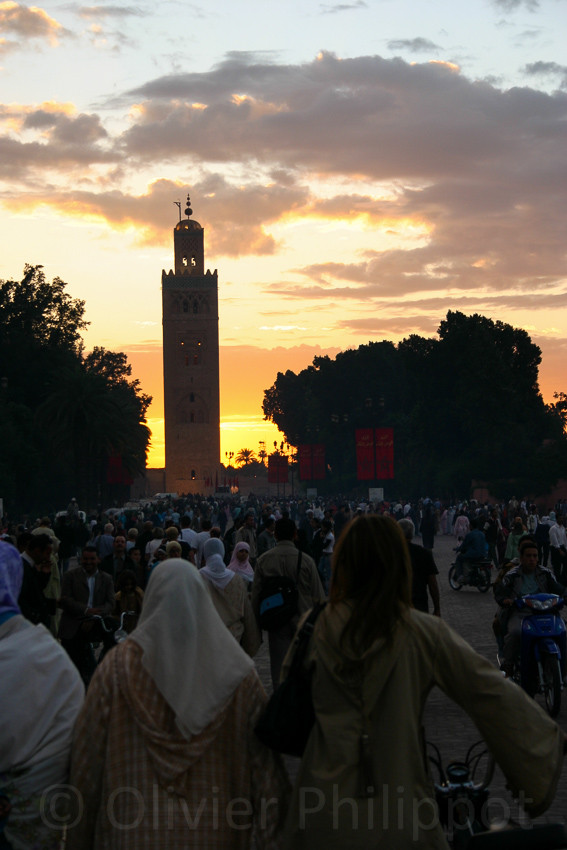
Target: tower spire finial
{"x": 188, "y": 211}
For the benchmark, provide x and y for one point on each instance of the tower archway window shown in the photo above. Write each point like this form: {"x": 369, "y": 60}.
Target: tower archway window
{"x": 193, "y": 475}
{"x": 185, "y": 307}
{"x": 195, "y": 306}
{"x": 191, "y": 397}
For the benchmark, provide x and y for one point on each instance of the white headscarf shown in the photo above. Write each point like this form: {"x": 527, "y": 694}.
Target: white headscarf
{"x": 187, "y": 650}
{"x": 215, "y": 569}
{"x": 243, "y": 568}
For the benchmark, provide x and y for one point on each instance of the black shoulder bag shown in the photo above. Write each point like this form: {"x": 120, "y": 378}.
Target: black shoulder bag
{"x": 288, "y": 718}
{"x": 278, "y": 601}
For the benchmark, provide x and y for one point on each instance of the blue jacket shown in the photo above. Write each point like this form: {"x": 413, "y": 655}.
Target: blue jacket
{"x": 474, "y": 545}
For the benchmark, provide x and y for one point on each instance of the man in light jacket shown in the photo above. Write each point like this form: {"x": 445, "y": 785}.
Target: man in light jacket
{"x": 283, "y": 560}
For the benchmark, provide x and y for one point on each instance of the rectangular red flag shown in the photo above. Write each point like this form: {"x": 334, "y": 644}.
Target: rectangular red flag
{"x": 114, "y": 470}
{"x": 384, "y": 452}
{"x": 318, "y": 460}
{"x": 305, "y": 456}
{"x": 283, "y": 470}
{"x": 277, "y": 469}
{"x": 273, "y": 469}
{"x": 364, "y": 454}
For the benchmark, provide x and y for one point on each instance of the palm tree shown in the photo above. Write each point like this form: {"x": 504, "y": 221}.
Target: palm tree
{"x": 245, "y": 457}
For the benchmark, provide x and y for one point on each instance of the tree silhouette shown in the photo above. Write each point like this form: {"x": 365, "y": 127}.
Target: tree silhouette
{"x": 63, "y": 413}
{"x": 245, "y": 457}
{"x": 465, "y": 405}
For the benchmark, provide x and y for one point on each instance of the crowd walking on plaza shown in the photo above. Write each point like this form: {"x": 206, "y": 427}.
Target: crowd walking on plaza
{"x": 141, "y": 733}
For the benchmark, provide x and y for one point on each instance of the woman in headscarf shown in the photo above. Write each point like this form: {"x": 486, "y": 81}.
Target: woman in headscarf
{"x": 230, "y": 596}
{"x": 364, "y": 780}
{"x": 240, "y": 562}
{"x": 165, "y": 754}
{"x": 42, "y": 694}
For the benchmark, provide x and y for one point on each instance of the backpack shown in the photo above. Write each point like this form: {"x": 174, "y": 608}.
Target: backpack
{"x": 278, "y": 600}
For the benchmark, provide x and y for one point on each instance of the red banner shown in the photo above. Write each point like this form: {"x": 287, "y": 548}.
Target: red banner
{"x": 364, "y": 454}
{"x": 305, "y": 457}
{"x": 116, "y": 473}
{"x": 318, "y": 455}
{"x": 384, "y": 452}
{"x": 277, "y": 469}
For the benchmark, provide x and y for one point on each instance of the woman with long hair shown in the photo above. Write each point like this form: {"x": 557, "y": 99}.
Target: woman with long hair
{"x": 364, "y": 780}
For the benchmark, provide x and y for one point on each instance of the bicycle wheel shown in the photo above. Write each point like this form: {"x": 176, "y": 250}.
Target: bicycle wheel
{"x": 453, "y": 580}
{"x": 484, "y": 579}
{"x": 551, "y": 684}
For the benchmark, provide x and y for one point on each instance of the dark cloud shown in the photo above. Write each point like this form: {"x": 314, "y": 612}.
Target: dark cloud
{"x": 67, "y": 130}
{"x": 536, "y": 69}
{"x": 513, "y": 5}
{"x": 97, "y": 13}
{"x": 334, "y": 8}
{"x": 240, "y": 214}
{"x": 477, "y": 172}
{"x": 65, "y": 140}
{"x": 547, "y": 69}
{"x": 414, "y": 45}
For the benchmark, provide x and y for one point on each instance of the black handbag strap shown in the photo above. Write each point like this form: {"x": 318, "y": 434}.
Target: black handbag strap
{"x": 304, "y": 636}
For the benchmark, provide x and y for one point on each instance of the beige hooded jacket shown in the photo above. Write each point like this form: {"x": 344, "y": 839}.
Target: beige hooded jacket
{"x": 383, "y": 693}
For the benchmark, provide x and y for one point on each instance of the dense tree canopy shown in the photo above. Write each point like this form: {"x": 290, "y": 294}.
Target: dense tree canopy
{"x": 464, "y": 406}
{"x": 63, "y": 414}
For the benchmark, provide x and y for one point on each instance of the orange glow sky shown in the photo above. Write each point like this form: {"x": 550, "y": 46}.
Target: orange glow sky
{"x": 359, "y": 168}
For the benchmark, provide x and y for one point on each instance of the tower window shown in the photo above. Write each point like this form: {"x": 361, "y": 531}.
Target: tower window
{"x": 193, "y": 475}
{"x": 197, "y": 350}
{"x": 191, "y": 397}
{"x": 185, "y": 261}
{"x": 193, "y": 260}
{"x": 195, "y": 306}
{"x": 185, "y": 307}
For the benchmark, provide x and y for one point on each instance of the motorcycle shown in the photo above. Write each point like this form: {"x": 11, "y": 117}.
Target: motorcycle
{"x": 95, "y": 651}
{"x": 475, "y": 573}
{"x": 540, "y": 668}
{"x": 463, "y": 801}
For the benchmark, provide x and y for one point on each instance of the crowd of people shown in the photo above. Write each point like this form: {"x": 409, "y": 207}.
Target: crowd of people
{"x": 161, "y": 752}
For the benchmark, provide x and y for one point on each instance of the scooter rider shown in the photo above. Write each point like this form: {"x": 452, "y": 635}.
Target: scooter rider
{"x": 473, "y": 548}
{"x": 527, "y": 577}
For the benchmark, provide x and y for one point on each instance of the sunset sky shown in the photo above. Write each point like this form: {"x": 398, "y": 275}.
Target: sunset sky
{"x": 359, "y": 167}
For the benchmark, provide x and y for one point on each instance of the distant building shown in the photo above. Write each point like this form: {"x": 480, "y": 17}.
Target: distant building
{"x": 190, "y": 364}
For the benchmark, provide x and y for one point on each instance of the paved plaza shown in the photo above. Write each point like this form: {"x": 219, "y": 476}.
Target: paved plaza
{"x": 470, "y": 613}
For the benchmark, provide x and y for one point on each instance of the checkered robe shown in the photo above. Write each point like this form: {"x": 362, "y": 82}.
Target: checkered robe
{"x": 140, "y": 784}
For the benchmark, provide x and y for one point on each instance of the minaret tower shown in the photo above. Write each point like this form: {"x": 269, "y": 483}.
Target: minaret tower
{"x": 190, "y": 363}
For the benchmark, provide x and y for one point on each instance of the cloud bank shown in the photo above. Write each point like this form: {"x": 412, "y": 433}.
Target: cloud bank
{"x": 477, "y": 173}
